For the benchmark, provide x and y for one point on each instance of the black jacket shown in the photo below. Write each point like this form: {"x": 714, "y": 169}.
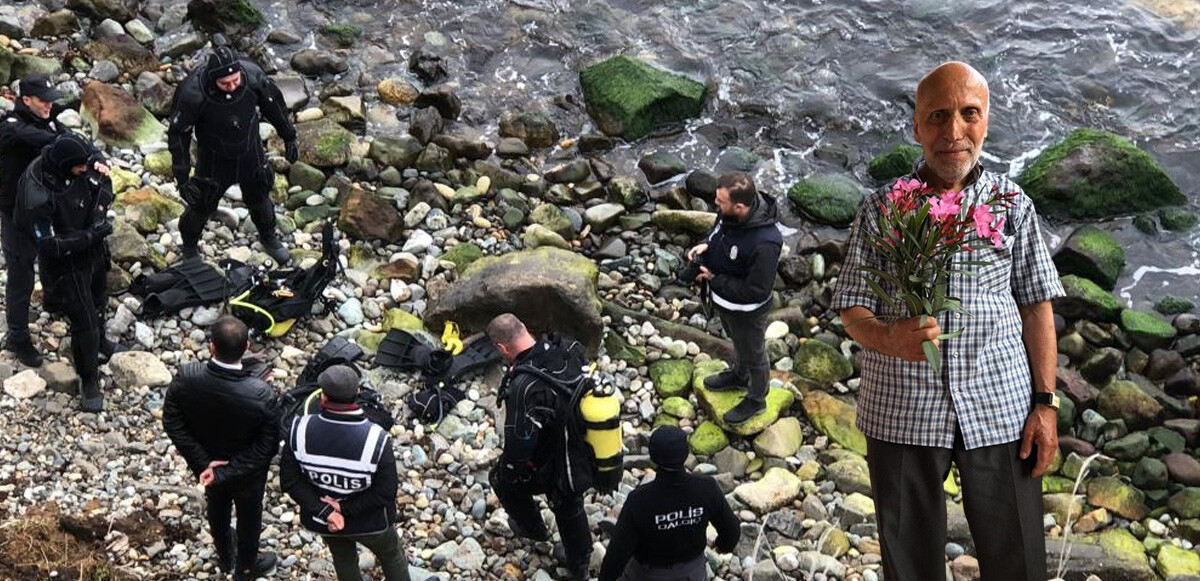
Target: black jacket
{"x": 744, "y": 256}
{"x": 22, "y": 137}
{"x": 61, "y": 212}
{"x": 214, "y": 413}
{"x": 225, "y": 124}
{"x": 340, "y": 454}
{"x": 663, "y": 523}
{"x": 532, "y": 426}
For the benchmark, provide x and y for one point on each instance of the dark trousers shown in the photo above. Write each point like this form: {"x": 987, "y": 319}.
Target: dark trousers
{"x": 247, "y": 495}
{"x": 20, "y": 254}
{"x": 1002, "y": 502}
{"x": 385, "y": 545}
{"x": 747, "y": 330}
{"x": 77, "y": 288}
{"x": 694, "y": 570}
{"x": 517, "y": 498}
{"x": 255, "y": 177}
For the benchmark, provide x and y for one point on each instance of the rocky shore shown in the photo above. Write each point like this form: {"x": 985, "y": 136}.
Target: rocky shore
{"x": 448, "y": 218}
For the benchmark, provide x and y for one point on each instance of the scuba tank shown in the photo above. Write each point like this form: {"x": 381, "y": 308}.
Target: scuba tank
{"x": 600, "y": 411}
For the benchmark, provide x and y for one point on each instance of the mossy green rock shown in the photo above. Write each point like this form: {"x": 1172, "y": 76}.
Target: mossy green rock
{"x": 1177, "y": 219}
{"x": 835, "y": 418}
{"x": 1185, "y": 503}
{"x": 147, "y": 208}
{"x": 123, "y": 179}
{"x": 679, "y": 407}
{"x": 309, "y": 214}
{"x": 1173, "y": 305}
{"x": 630, "y": 98}
{"x": 554, "y": 219}
{"x": 1095, "y": 174}
{"x": 619, "y": 349}
{"x": 369, "y": 340}
{"x": 831, "y": 199}
{"x": 397, "y": 152}
{"x": 1086, "y": 300}
{"x": 717, "y": 403}
{"x": 671, "y": 377}
{"x": 1056, "y": 484}
{"x": 341, "y": 35}
{"x": 158, "y": 163}
{"x": 398, "y": 318}
{"x": 707, "y": 439}
{"x": 463, "y": 254}
{"x": 1120, "y": 498}
{"x": 24, "y": 65}
{"x": 306, "y": 176}
{"x": 1111, "y": 554}
{"x": 1124, "y": 399}
{"x": 1147, "y": 330}
{"x": 128, "y": 246}
{"x": 850, "y": 475}
{"x": 1093, "y": 254}
{"x": 6, "y": 62}
{"x": 1128, "y": 448}
{"x": 323, "y": 143}
{"x": 1177, "y": 562}
{"x": 232, "y": 17}
{"x": 895, "y": 163}
{"x": 684, "y": 221}
{"x": 664, "y": 419}
{"x": 117, "y": 118}
{"x": 822, "y": 363}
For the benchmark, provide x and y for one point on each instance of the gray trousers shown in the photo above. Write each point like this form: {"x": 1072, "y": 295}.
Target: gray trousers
{"x": 694, "y": 570}
{"x": 389, "y": 554}
{"x": 747, "y": 330}
{"x": 1002, "y": 502}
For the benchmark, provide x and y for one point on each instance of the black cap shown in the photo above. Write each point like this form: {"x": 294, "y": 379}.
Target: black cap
{"x": 339, "y": 383}
{"x": 221, "y": 63}
{"x": 668, "y": 447}
{"x": 39, "y": 86}
{"x": 68, "y": 151}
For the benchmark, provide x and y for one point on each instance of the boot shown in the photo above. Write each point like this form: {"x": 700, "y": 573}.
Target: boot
{"x": 537, "y": 535}
{"x": 227, "y": 554}
{"x": 108, "y": 349}
{"x": 575, "y": 571}
{"x": 91, "y": 399}
{"x": 727, "y": 380}
{"x": 264, "y": 566}
{"x": 26, "y": 353}
{"x": 755, "y": 400}
{"x": 191, "y": 250}
{"x": 276, "y": 250}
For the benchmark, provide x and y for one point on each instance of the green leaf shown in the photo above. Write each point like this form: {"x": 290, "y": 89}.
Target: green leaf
{"x": 913, "y": 303}
{"x": 945, "y": 336}
{"x": 884, "y": 275}
{"x": 878, "y": 290}
{"x": 933, "y": 356}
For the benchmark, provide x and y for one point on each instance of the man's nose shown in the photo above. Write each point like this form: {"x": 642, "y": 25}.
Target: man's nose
{"x": 955, "y": 129}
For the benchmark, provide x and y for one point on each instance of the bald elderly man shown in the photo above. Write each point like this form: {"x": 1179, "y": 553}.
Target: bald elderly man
{"x": 991, "y": 410}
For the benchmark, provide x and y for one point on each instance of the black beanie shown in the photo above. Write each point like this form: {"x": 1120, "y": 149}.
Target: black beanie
{"x": 221, "y": 63}
{"x": 68, "y": 151}
{"x": 668, "y": 447}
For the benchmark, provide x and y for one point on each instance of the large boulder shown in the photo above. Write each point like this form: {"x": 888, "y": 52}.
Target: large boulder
{"x": 834, "y": 418}
{"x": 125, "y": 52}
{"x": 60, "y": 23}
{"x": 630, "y": 98}
{"x": 118, "y": 118}
{"x": 234, "y": 18}
{"x": 127, "y": 246}
{"x": 24, "y": 65}
{"x": 323, "y": 143}
{"x": 780, "y": 440}
{"x": 1124, "y": 399}
{"x": 1122, "y": 499}
{"x": 1093, "y": 254}
{"x": 1094, "y": 174}
{"x": 367, "y": 216}
{"x": 895, "y": 163}
{"x": 820, "y": 363}
{"x": 1086, "y": 300}
{"x": 717, "y": 403}
{"x": 1147, "y": 330}
{"x": 684, "y": 221}
{"x": 1112, "y": 555}
{"x": 548, "y": 288}
{"x": 831, "y": 199}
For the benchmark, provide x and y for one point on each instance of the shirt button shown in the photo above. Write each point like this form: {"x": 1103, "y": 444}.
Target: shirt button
{"x": 955, "y": 354}
{"x": 957, "y": 315}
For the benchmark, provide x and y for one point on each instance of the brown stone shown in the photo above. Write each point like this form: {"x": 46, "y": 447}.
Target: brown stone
{"x": 1183, "y": 469}
{"x": 118, "y": 117}
{"x": 369, "y": 217}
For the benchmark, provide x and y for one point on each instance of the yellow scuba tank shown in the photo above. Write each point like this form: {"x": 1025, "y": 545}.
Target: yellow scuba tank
{"x": 601, "y": 413}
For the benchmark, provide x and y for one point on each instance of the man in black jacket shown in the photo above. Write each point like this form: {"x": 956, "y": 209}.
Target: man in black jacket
{"x": 221, "y": 103}
{"x": 533, "y": 446}
{"x": 661, "y": 531}
{"x": 222, "y": 421}
{"x": 739, "y": 261}
{"x": 23, "y": 134}
{"x": 340, "y": 468}
{"x": 63, "y": 198}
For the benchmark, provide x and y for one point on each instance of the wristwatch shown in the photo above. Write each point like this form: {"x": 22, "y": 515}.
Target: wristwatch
{"x": 1044, "y": 398}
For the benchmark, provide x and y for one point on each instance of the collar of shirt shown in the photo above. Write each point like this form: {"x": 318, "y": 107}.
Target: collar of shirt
{"x": 219, "y": 363}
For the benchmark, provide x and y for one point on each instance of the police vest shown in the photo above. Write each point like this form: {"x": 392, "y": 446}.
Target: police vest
{"x": 731, "y": 251}
{"x": 340, "y": 457}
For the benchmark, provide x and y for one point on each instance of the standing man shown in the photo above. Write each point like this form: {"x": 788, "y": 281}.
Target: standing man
{"x": 23, "y": 134}
{"x": 991, "y": 410}
{"x": 661, "y": 533}
{"x": 221, "y": 420}
{"x": 739, "y": 260}
{"x": 339, "y": 467}
{"x": 532, "y": 459}
{"x": 221, "y": 102}
{"x": 63, "y": 197}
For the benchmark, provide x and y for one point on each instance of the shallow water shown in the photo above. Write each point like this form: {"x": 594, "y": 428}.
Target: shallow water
{"x": 815, "y": 85}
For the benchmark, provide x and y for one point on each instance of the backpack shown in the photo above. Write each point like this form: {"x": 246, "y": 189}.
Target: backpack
{"x": 305, "y": 398}
{"x": 592, "y": 455}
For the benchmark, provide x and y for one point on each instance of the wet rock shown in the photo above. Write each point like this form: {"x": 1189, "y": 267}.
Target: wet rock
{"x": 1124, "y": 399}
{"x": 1086, "y": 300}
{"x": 821, "y": 363}
{"x": 1093, "y": 254}
{"x": 831, "y": 199}
{"x": 395, "y": 91}
{"x": 60, "y": 23}
{"x": 118, "y": 118}
{"x": 661, "y": 166}
{"x": 427, "y": 65}
{"x": 629, "y": 98}
{"x": 1118, "y": 497}
{"x": 1111, "y": 555}
{"x": 1183, "y": 469}
{"x": 569, "y": 173}
{"x": 684, "y": 221}
{"x": 367, "y": 216}
{"x": 397, "y": 152}
{"x": 119, "y": 10}
{"x": 627, "y": 192}
{"x": 425, "y": 124}
{"x": 895, "y": 163}
{"x": 834, "y": 418}
{"x": 128, "y": 54}
{"x": 323, "y": 143}
{"x": 671, "y": 377}
{"x": 346, "y": 111}
{"x": 601, "y": 216}
{"x": 533, "y": 128}
{"x": 1094, "y": 174}
{"x": 315, "y": 62}
{"x": 443, "y": 98}
{"x": 1147, "y": 330}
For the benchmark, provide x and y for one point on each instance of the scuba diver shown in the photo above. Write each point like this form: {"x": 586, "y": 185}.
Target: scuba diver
{"x": 221, "y": 103}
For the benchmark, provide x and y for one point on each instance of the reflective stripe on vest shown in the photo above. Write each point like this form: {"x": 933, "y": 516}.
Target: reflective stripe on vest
{"x": 732, "y": 306}
{"x": 338, "y": 475}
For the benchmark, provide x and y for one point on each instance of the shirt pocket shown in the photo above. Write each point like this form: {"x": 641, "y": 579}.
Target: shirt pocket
{"x": 996, "y": 276}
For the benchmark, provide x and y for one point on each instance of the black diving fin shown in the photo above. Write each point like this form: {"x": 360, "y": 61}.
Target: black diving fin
{"x": 338, "y": 351}
{"x": 476, "y": 355}
{"x": 188, "y": 283}
{"x": 404, "y": 351}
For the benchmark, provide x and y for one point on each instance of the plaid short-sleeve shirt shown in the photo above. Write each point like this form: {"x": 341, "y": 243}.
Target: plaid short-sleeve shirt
{"x": 985, "y": 387}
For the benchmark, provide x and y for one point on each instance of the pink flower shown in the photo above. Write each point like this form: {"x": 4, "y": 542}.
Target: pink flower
{"x": 945, "y": 206}
{"x": 903, "y": 190}
{"x": 982, "y": 216}
{"x": 997, "y": 241}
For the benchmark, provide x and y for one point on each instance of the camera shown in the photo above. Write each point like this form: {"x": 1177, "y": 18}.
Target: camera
{"x": 690, "y": 270}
